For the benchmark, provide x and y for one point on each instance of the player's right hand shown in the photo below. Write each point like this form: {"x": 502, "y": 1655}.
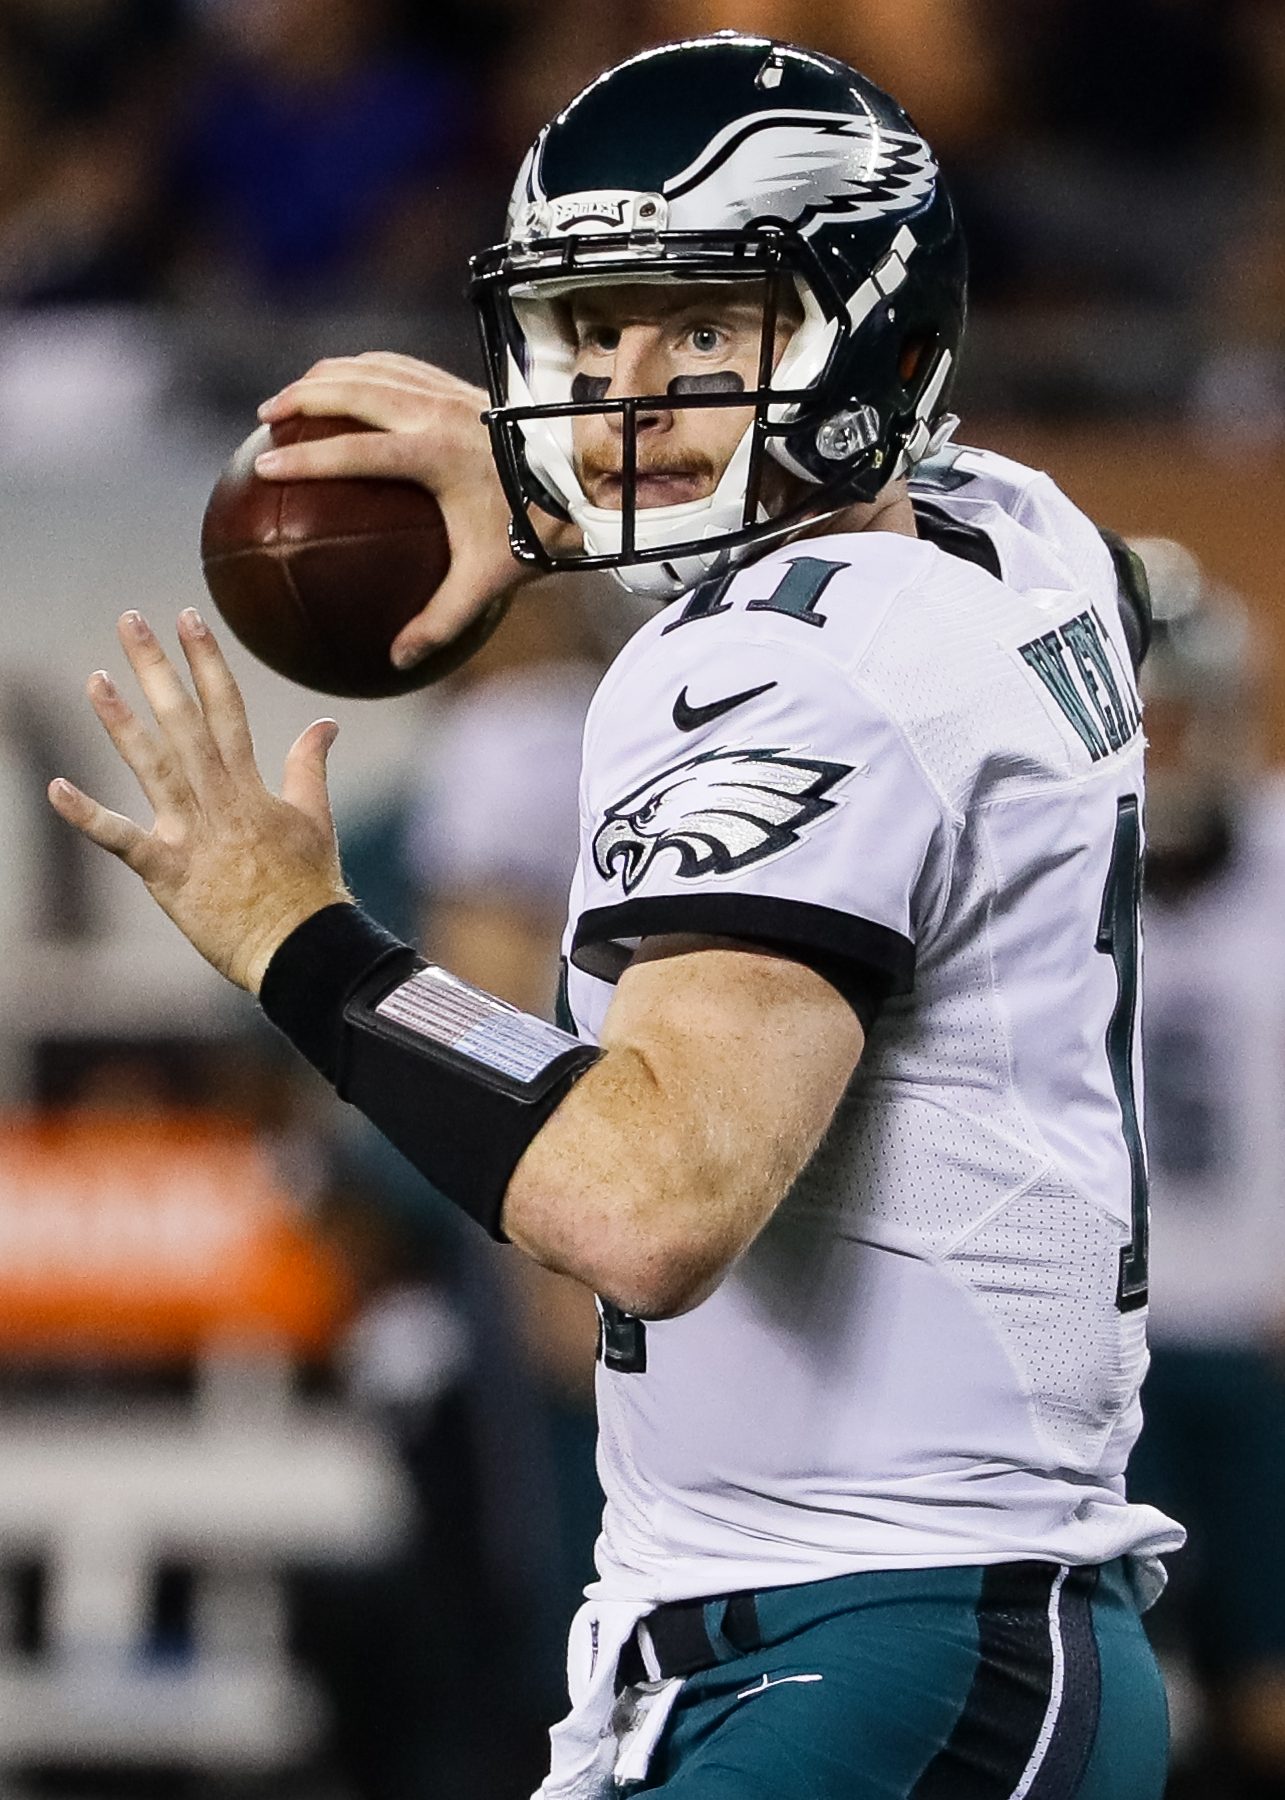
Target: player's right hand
{"x": 429, "y": 430}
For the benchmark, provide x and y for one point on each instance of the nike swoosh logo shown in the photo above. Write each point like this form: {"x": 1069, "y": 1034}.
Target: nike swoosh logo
{"x": 764, "y": 1684}
{"x": 691, "y": 718}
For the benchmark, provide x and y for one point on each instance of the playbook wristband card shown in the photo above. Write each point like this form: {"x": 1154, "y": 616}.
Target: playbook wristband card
{"x": 438, "y": 1015}
{"x": 455, "y": 1079}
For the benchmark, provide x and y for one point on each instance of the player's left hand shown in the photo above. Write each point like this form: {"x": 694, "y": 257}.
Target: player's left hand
{"x": 236, "y": 867}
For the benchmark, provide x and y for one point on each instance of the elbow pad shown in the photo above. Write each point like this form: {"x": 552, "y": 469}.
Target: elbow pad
{"x": 457, "y": 1080}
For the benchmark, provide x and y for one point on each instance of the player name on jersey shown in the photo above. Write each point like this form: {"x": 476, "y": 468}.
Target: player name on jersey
{"x": 1075, "y": 663}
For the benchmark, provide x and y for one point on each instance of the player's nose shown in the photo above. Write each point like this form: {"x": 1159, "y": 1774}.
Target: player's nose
{"x": 641, "y": 365}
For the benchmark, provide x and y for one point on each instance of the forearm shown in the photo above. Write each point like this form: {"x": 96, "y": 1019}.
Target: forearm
{"x": 455, "y": 1079}
{"x": 621, "y": 1184}
{"x": 644, "y": 1168}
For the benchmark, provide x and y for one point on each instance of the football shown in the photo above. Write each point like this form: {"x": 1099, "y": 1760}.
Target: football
{"x": 316, "y": 578}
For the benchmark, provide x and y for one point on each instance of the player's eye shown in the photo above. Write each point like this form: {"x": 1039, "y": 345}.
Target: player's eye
{"x": 705, "y": 338}
{"x": 603, "y": 338}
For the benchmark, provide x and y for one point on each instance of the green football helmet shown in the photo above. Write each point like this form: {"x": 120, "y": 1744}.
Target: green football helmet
{"x": 727, "y": 158}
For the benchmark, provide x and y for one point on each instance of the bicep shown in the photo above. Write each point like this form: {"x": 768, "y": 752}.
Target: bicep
{"x": 752, "y": 1038}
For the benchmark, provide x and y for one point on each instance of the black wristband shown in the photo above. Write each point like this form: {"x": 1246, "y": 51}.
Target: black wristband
{"x": 313, "y": 972}
{"x": 455, "y": 1079}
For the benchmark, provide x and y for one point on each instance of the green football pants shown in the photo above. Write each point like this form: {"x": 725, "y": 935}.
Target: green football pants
{"x": 1018, "y": 1681}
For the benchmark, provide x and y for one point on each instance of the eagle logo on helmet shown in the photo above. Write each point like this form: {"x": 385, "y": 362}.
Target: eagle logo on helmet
{"x": 798, "y": 167}
{"x": 715, "y": 812}
{"x": 805, "y": 167}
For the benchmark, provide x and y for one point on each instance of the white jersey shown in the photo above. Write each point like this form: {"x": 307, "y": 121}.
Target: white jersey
{"x": 924, "y": 776}
{"x": 1215, "y": 1059}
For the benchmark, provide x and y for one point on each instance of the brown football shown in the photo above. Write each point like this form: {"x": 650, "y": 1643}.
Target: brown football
{"x": 316, "y": 578}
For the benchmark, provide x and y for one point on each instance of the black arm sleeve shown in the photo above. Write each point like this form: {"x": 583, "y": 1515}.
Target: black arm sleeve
{"x": 313, "y": 972}
{"x": 455, "y": 1079}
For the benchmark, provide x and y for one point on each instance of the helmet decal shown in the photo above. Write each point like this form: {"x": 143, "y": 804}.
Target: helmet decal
{"x": 798, "y": 167}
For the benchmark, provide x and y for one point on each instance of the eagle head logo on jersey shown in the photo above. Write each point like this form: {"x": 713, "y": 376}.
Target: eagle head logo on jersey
{"x": 717, "y": 811}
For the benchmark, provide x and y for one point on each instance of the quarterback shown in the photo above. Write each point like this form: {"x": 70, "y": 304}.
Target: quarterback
{"x": 843, "y": 1120}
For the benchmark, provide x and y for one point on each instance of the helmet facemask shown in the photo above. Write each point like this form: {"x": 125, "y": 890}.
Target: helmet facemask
{"x": 661, "y": 550}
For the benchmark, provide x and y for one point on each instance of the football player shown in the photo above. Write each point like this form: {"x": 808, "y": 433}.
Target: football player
{"x": 1215, "y": 1041}
{"x": 846, "y": 1132}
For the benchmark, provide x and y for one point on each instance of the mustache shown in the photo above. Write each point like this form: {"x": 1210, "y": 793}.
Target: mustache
{"x": 593, "y": 466}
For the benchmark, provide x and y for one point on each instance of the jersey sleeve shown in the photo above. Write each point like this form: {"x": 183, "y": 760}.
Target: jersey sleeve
{"x": 761, "y": 796}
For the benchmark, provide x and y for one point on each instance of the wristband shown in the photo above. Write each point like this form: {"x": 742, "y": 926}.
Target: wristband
{"x": 457, "y": 1080}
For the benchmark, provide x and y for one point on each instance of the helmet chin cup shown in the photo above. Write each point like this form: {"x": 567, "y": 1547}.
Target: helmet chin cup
{"x": 665, "y": 581}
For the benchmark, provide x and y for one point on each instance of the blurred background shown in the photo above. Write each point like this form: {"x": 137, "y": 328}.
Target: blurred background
{"x": 296, "y": 1482}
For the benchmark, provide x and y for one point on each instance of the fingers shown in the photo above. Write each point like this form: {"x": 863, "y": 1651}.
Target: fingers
{"x": 112, "y": 830}
{"x": 387, "y": 402}
{"x": 197, "y": 746}
{"x": 303, "y": 784}
{"x": 401, "y": 398}
{"x": 366, "y": 374}
{"x": 379, "y": 453}
{"x": 463, "y": 603}
{"x": 219, "y": 695}
{"x": 152, "y": 761}
{"x": 382, "y": 389}
{"x": 482, "y": 578}
{"x": 186, "y": 735}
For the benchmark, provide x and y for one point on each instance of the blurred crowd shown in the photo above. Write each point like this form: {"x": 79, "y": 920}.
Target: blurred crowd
{"x": 1121, "y": 170}
{"x": 1120, "y": 163}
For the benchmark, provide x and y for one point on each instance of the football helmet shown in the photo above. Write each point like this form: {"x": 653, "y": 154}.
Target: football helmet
{"x": 726, "y": 159}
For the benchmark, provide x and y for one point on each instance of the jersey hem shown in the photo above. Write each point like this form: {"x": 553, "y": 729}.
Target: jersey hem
{"x": 1146, "y": 1565}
